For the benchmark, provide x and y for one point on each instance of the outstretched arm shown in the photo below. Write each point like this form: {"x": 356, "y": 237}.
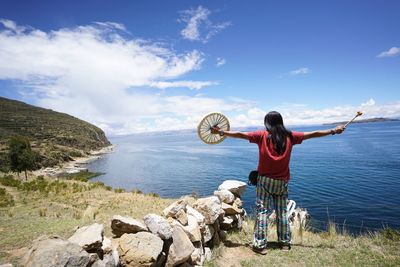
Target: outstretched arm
{"x": 338, "y": 130}
{"x": 241, "y": 135}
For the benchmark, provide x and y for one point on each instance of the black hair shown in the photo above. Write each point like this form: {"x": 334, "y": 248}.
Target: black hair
{"x": 278, "y": 133}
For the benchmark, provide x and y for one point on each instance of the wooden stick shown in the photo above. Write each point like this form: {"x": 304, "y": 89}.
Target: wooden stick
{"x": 359, "y": 113}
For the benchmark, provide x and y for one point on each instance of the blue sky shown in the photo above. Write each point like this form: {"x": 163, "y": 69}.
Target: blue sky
{"x": 132, "y": 66}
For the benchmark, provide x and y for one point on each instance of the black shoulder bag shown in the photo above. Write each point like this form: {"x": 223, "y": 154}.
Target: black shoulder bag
{"x": 253, "y": 178}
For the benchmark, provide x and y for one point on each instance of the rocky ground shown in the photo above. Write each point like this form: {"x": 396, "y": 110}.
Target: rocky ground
{"x": 73, "y": 223}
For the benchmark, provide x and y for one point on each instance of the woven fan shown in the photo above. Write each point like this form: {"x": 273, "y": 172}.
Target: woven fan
{"x": 212, "y": 120}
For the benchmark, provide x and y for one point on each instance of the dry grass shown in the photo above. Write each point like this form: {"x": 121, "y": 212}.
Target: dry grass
{"x": 314, "y": 249}
{"x": 38, "y": 213}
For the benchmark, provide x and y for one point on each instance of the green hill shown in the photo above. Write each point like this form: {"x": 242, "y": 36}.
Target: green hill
{"x": 55, "y": 136}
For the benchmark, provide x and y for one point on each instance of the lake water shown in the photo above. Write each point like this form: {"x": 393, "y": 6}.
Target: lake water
{"x": 353, "y": 178}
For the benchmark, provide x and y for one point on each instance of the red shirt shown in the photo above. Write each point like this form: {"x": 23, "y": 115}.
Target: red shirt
{"x": 271, "y": 164}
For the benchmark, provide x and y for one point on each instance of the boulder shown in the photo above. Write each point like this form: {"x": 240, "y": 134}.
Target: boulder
{"x": 182, "y": 217}
{"x": 234, "y": 186}
{"x": 90, "y": 238}
{"x": 107, "y": 261}
{"x": 238, "y": 203}
{"x": 225, "y": 196}
{"x": 199, "y": 217}
{"x": 158, "y": 226}
{"x": 231, "y": 210}
{"x": 239, "y": 221}
{"x": 109, "y": 251}
{"x": 197, "y": 257}
{"x": 126, "y": 225}
{"x": 207, "y": 253}
{"x": 174, "y": 208}
{"x": 181, "y": 248}
{"x": 209, "y": 207}
{"x": 192, "y": 229}
{"x": 107, "y": 245}
{"x": 227, "y": 223}
{"x": 208, "y": 232}
{"x": 55, "y": 251}
{"x": 140, "y": 249}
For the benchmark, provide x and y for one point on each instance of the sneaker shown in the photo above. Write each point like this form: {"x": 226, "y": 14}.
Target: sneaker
{"x": 262, "y": 251}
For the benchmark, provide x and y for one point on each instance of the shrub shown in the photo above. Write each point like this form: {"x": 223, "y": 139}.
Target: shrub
{"x": 6, "y": 200}
{"x": 391, "y": 234}
{"x": 75, "y": 153}
{"x": 8, "y": 180}
{"x": 136, "y": 191}
{"x": 82, "y": 176}
{"x": 119, "y": 190}
{"x": 152, "y": 194}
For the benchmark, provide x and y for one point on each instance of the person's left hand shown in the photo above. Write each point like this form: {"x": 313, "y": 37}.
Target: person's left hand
{"x": 215, "y": 130}
{"x": 339, "y": 129}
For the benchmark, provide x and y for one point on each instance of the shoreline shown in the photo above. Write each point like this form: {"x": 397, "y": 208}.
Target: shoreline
{"x": 76, "y": 165}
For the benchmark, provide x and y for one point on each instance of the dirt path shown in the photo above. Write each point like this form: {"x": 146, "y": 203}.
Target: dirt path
{"x": 232, "y": 254}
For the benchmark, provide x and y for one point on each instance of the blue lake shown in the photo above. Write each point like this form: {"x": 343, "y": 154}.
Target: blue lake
{"x": 353, "y": 178}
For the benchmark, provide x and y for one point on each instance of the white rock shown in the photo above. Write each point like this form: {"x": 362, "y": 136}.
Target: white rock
{"x": 109, "y": 260}
{"x": 181, "y": 248}
{"x": 208, "y": 232}
{"x": 182, "y": 217}
{"x": 231, "y": 210}
{"x": 140, "y": 249}
{"x": 207, "y": 253}
{"x": 195, "y": 258}
{"x": 209, "y": 207}
{"x": 174, "y": 208}
{"x": 227, "y": 223}
{"x": 109, "y": 250}
{"x": 107, "y": 245}
{"x": 234, "y": 186}
{"x": 225, "y": 196}
{"x": 158, "y": 225}
{"x": 192, "y": 230}
{"x": 54, "y": 251}
{"x": 89, "y": 237}
{"x": 240, "y": 221}
{"x": 126, "y": 225}
{"x": 238, "y": 203}
{"x": 199, "y": 217}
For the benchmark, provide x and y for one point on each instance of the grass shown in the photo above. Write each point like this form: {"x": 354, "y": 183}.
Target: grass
{"x": 46, "y": 207}
{"x": 83, "y": 176}
{"x": 329, "y": 248}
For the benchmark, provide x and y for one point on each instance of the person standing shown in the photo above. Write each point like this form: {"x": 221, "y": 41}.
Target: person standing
{"x": 275, "y": 146}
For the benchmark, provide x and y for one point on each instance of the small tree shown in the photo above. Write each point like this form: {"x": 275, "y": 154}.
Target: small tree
{"x": 22, "y": 158}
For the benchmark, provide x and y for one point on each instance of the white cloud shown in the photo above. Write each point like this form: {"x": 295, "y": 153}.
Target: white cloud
{"x": 94, "y": 73}
{"x": 194, "y": 85}
{"x": 394, "y": 51}
{"x": 300, "y": 71}
{"x": 370, "y": 102}
{"x": 297, "y": 114}
{"x": 198, "y": 25}
{"x": 220, "y": 61}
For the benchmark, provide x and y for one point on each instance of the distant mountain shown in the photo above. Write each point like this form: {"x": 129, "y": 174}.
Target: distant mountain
{"x": 363, "y": 121}
{"x": 56, "y": 136}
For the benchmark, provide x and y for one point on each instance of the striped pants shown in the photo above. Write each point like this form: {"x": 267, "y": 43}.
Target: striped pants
{"x": 272, "y": 195}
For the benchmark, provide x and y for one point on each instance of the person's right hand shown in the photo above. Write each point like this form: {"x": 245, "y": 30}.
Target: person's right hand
{"x": 215, "y": 130}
